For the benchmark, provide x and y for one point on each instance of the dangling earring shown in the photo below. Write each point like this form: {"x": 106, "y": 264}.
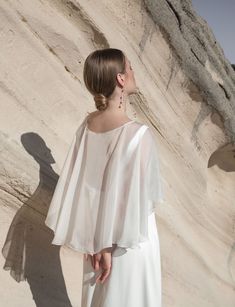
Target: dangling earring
{"x": 121, "y": 99}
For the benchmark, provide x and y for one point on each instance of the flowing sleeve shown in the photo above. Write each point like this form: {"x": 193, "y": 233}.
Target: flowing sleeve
{"x": 150, "y": 171}
{"x": 58, "y": 214}
{"x": 141, "y": 189}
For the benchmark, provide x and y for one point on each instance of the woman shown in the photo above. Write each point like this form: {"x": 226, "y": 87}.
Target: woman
{"x": 108, "y": 189}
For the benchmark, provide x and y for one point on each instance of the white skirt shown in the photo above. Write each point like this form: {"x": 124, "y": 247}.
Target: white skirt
{"x": 134, "y": 280}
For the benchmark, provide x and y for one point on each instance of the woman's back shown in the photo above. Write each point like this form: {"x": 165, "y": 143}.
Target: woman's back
{"x": 103, "y": 193}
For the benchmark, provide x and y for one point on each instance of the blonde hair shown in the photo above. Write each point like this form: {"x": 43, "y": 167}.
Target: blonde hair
{"x": 99, "y": 74}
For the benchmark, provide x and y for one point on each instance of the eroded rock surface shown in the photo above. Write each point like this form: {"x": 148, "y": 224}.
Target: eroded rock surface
{"x": 186, "y": 95}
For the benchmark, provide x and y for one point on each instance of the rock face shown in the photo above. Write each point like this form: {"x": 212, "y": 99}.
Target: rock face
{"x": 186, "y": 94}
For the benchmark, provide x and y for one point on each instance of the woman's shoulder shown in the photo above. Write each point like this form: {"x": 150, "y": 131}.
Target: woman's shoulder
{"x": 138, "y": 125}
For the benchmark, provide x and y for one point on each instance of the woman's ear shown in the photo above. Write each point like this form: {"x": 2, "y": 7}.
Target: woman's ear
{"x": 121, "y": 79}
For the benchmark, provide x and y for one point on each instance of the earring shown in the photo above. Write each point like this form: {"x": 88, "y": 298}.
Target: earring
{"x": 121, "y": 99}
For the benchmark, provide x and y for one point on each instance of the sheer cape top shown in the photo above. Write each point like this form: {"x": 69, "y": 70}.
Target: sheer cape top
{"x": 109, "y": 183}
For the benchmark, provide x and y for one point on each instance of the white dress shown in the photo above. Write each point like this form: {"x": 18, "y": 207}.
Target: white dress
{"x": 134, "y": 280}
{"x": 107, "y": 192}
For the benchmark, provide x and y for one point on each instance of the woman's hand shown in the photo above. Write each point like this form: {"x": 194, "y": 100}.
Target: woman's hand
{"x": 102, "y": 260}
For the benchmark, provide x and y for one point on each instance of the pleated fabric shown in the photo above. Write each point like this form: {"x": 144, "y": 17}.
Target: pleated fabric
{"x": 108, "y": 187}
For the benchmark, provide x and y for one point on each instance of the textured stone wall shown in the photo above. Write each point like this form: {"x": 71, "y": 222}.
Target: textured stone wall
{"x": 186, "y": 95}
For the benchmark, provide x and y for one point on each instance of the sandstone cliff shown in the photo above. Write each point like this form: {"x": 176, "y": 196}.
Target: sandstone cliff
{"x": 186, "y": 94}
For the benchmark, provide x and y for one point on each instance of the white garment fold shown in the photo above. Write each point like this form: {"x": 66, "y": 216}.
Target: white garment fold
{"x": 109, "y": 184}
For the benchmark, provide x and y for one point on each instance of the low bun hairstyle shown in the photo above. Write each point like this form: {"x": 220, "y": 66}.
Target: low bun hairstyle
{"x": 99, "y": 74}
{"x": 101, "y": 101}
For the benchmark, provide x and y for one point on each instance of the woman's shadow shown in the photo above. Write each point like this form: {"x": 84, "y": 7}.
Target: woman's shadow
{"x": 27, "y": 250}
